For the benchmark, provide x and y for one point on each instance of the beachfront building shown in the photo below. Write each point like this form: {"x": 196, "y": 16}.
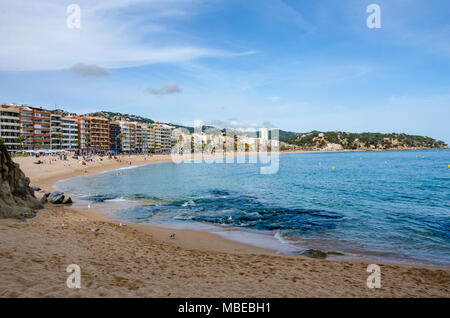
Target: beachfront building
{"x": 99, "y": 134}
{"x": 151, "y": 139}
{"x": 146, "y": 137}
{"x": 69, "y": 131}
{"x": 163, "y": 139}
{"x": 84, "y": 134}
{"x": 114, "y": 137}
{"x": 55, "y": 131}
{"x": 128, "y": 130}
{"x": 34, "y": 128}
{"x": 10, "y": 127}
{"x": 138, "y": 138}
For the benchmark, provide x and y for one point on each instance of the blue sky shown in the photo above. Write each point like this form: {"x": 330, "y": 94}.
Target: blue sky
{"x": 296, "y": 65}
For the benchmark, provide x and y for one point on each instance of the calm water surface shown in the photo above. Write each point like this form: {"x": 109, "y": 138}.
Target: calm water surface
{"x": 393, "y": 206}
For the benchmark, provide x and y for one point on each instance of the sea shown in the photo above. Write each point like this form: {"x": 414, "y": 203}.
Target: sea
{"x": 382, "y": 206}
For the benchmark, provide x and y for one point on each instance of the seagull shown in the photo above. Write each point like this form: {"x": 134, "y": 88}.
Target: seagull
{"x": 63, "y": 225}
{"x": 230, "y": 219}
{"x": 173, "y": 235}
{"x": 95, "y": 230}
{"x": 121, "y": 225}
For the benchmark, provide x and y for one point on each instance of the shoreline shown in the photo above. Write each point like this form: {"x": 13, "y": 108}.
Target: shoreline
{"x": 143, "y": 261}
{"x": 196, "y": 236}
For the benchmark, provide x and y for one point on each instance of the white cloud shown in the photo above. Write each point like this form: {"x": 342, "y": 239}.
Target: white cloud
{"x": 88, "y": 70}
{"x": 171, "y": 88}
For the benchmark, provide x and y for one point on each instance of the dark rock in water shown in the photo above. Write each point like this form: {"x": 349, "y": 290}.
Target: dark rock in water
{"x": 67, "y": 200}
{"x": 36, "y": 188}
{"x": 56, "y": 197}
{"x": 17, "y": 199}
{"x": 41, "y": 196}
{"x": 314, "y": 254}
{"x": 335, "y": 254}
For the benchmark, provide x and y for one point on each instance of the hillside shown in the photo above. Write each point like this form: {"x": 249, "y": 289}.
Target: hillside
{"x": 112, "y": 116}
{"x": 334, "y": 140}
{"x": 331, "y": 140}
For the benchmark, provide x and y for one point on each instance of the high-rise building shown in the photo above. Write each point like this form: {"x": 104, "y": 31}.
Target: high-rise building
{"x": 69, "y": 131}
{"x": 163, "y": 139}
{"x": 99, "y": 134}
{"x": 10, "y": 127}
{"x": 138, "y": 138}
{"x": 128, "y": 131}
{"x": 114, "y": 137}
{"x": 84, "y": 135}
{"x": 55, "y": 131}
{"x": 35, "y": 128}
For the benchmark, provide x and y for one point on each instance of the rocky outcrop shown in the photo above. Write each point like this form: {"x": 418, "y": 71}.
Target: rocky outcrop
{"x": 56, "y": 197}
{"x": 17, "y": 199}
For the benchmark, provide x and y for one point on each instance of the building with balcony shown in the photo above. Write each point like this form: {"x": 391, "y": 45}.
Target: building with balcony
{"x": 128, "y": 130}
{"x": 114, "y": 137}
{"x": 10, "y": 127}
{"x": 99, "y": 134}
{"x": 69, "y": 131}
{"x": 34, "y": 128}
{"x": 161, "y": 137}
{"x": 84, "y": 133}
{"x": 55, "y": 131}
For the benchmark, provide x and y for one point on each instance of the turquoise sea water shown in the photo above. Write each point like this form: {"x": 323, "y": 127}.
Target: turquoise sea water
{"x": 393, "y": 206}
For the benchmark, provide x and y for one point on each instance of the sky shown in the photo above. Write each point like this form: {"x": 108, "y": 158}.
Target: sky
{"x": 296, "y": 65}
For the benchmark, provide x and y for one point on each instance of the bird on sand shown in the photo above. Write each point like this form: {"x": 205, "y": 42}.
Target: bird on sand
{"x": 121, "y": 225}
{"x": 95, "y": 230}
{"x": 173, "y": 235}
{"x": 230, "y": 219}
{"x": 63, "y": 225}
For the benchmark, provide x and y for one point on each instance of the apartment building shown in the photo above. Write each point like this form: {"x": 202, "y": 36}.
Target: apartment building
{"x": 139, "y": 145}
{"x": 99, "y": 134}
{"x": 69, "y": 131}
{"x": 35, "y": 128}
{"x": 151, "y": 142}
{"x": 10, "y": 127}
{"x": 163, "y": 139}
{"x": 84, "y": 133}
{"x": 128, "y": 130}
{"x": 114, "y": 134}
{"x": 55, "y": 131}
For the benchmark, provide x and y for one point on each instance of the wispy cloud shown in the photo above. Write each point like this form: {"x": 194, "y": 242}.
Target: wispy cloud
{"x": 107, "y": 37}
{"x": 171, "y": 88}
{"x": 88, "y": 70}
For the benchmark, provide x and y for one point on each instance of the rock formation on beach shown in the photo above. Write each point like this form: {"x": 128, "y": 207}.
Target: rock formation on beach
{"x": 17, "y": 198}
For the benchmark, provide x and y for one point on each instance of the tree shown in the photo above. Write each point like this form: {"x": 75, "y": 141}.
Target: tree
{"x": 120, "y": 137}
{"x": 86, "y": 139}
{"x": 59, "y": 137}
{"x": 21, "y": 139}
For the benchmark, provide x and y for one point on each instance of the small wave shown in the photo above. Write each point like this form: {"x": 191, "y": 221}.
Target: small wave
{"x": 280, "y": 238}
{"x": 119, "y": 199}
{"x": 188, "y": 203}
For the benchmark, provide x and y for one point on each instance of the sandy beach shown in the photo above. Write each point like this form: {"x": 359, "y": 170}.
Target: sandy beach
{"x": 143, "y": 261}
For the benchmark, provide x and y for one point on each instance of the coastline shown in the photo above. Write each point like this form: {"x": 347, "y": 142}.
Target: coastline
{"x": 239, "y": 270}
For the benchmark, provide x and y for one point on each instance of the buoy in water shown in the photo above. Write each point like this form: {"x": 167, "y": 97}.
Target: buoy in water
{"x": 332, "y": 168}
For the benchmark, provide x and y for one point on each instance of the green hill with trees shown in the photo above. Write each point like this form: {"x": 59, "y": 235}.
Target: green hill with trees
{"x": 363, "y": 141}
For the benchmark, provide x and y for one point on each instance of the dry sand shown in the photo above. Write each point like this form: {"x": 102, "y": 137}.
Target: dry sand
{"x": 143, "y": 261}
